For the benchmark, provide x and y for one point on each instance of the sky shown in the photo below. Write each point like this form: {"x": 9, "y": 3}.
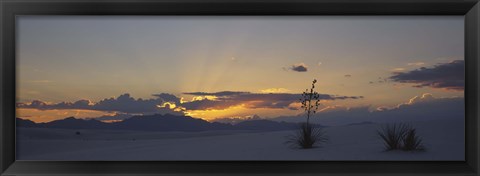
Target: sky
{"x": 218, "y": 67}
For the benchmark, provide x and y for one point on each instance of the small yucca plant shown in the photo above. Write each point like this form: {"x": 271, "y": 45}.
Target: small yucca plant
{"x": 392, "y": 135}
{"x": 400, "y": 137}
{"x": 411, "y": 141}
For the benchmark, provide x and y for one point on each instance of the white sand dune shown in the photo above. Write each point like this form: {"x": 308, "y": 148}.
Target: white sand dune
{"x": 444, "y": 140}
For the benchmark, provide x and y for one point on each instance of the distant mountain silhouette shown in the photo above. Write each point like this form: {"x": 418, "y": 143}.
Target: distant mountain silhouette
{"x": 25, "y": 123}
{"x": 114, "y": 117}
{"x": 73, "y": 123}
{"x": 159, "y": 122}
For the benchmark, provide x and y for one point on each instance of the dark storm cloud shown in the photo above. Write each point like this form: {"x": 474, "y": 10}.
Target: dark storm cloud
{"x": 448, "y": 76}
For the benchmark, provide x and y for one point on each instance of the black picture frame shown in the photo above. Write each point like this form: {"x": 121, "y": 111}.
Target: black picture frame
{"x": 470, "y": 9}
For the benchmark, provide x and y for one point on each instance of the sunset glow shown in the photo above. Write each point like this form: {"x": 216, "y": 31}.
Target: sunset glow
{"x": 225, "y": 67}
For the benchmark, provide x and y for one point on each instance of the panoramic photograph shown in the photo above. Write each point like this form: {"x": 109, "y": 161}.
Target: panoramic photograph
{"x": 233, "y": 88}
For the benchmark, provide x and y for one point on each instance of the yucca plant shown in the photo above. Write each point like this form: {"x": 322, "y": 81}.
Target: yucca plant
{"x": 400, "y": 137}
{"x": 411, "y": 141}
{"x": 392, "y": 135}
{"x": 308, "y": 135}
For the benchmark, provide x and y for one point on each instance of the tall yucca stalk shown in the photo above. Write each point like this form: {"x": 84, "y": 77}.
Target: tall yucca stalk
{"x": 310, "y": 101}
{"x": 308, "y": 134}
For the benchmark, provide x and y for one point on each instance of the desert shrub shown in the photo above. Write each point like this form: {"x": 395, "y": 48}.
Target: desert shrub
{"x": 411, "y": 141}
{"x": 308, "y": 136}
{"x": 400, "y": 137}
{"x": 392, "y": 135}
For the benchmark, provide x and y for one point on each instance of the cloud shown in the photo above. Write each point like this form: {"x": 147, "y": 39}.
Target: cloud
{"x": 448, "y": 76}
{"x": 37, "y": 104}
{"x": 207, "y": 104}
{"x": 300, "y": 67}
{"x": 419, "y": 108}
{"x": 218, "y": 94}
{"x": 419, "y": 99}
{"x": 247, "y": 99}
{"x": 168, "y": 103}
{"x": 227, "y": 99}
{"x": 124, "y": 103}
{"x": 165, "y": 97}
{"x": 424, "y": 98}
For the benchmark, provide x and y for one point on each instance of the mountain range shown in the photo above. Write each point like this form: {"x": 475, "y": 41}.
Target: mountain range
{"x": 158, "y": 122}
